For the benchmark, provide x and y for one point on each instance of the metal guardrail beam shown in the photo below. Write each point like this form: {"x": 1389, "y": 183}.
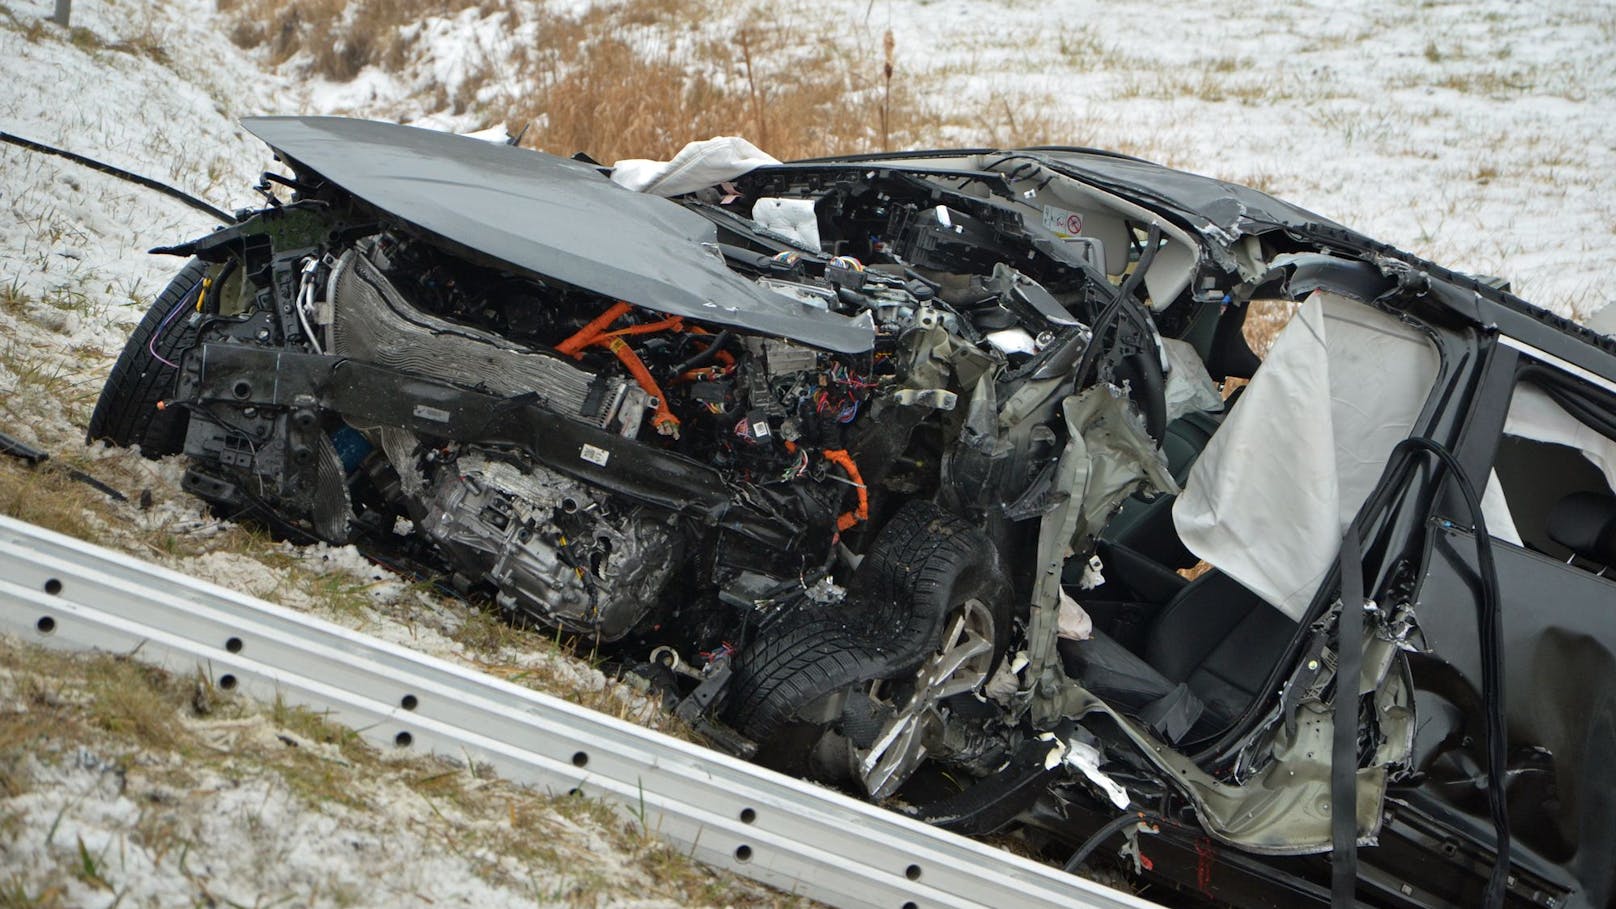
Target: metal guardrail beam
{"x": 801, "y": 838}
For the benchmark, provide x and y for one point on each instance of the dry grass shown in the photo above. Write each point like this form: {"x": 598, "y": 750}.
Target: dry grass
{"x": 162, "y": 733}
{"x": 48, "y": 497}
{"x": 1264, "y": 320}
{"x": 340, "y": 38}
{"x": 643, "y": 77}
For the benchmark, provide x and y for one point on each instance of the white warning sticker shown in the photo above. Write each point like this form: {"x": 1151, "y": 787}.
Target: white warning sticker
{"x": 1062, "y": 222}
{"x": 760, "y": 430}
{"x": 595, "y": 455}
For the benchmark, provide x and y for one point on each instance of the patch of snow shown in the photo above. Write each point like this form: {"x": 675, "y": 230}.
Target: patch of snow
{"x": 1477, "y": 134}
{"x": 238, "y": 835}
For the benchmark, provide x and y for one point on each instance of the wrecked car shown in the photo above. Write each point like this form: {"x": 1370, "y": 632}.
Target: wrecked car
{"x": 937, "y": 476}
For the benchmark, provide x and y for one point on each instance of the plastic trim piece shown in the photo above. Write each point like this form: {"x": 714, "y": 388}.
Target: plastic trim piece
{"x": 65, "y": 593}
{"x": 1539, "y": 353}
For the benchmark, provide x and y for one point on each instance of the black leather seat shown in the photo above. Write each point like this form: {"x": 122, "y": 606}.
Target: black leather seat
{"x": 1206, "y": 657}
{"x": 1585, "y": 523}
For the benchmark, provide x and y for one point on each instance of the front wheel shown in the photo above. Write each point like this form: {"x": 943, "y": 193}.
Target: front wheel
{"x": 867, "y": 692}
{"x": 914, "y": 711}
{"x": 127, "y": 412}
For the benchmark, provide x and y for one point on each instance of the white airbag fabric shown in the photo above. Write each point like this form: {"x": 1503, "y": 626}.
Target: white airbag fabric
{"x": 1534, "y": 415}
{"x": 698, "y": 165}
{"x": 792, "y": 218}
{"x": 1190, "y": 388}
{"x": 1268, "y": 500}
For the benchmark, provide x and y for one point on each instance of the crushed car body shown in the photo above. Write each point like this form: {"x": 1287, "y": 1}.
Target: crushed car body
{"x": 891, "y": 471}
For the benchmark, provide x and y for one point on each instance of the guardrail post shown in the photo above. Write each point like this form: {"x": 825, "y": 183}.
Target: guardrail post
{"x": 64, "y": 9}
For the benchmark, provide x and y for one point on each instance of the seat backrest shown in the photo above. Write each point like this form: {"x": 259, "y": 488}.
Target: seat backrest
{"x": 1145, "y": 525}
{"x": 1585, "y": 523}
{"x": 1220, "y": 639}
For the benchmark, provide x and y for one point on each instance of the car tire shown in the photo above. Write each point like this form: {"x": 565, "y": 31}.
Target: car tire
{"x": 127, "y": 413}
{"x": 926, "y": 569}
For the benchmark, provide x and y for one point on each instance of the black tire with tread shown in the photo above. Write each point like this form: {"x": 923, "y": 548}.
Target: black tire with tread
{"x": 126, "y": 413}
{"x": 924, "y": 562}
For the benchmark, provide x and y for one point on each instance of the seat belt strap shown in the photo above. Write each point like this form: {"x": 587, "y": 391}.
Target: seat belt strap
{"x": 1344, "y": 748}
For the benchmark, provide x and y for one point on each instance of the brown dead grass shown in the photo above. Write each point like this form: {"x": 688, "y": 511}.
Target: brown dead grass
{"x": 48, "y": 497}
{"x": 340, "y": 38}
{"x": 642, "y": 77}
{"x": 1264, "y": 320}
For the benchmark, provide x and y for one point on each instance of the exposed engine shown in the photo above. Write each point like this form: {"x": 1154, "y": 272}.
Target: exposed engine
{"x": 553, "y": 548}
{"x": 803, "y": 441}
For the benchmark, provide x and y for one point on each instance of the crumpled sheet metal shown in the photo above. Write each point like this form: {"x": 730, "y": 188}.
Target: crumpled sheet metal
{"x": 1108, "y": 457}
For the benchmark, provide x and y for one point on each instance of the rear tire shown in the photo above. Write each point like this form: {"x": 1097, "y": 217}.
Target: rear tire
{"x": 126, "y": 413}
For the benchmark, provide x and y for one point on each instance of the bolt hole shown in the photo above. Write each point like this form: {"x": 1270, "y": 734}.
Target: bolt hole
{"x": 580, "y": 759}
{"x": 748, "y": 815}
{"x": 912, "y": 872}
{"x": 403, "y": 739}
{"x": 242, "y": 390}
{"x": 53, "y": 587}
{"x": 569, "y": 505}
{"x": 46, "y": 624}
{"x": 743, "y": 853}
{"x": 233, "y": 645}
{"x": 408, "y": 702}
{"x": 911, "y": 905}
{"x": 227, "y": 682}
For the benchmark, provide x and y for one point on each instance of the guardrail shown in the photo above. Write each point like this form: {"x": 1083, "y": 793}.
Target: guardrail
{"x": 65, "y": 593}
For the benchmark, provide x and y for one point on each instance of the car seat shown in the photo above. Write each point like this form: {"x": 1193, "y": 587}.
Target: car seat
{"x": 1585, "y": 523}
{"x": 1205, "y": 658}
{"x": 1139, "y": 546}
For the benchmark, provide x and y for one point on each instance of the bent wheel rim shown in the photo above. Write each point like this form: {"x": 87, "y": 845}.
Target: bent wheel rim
{"x": 959, "y": 665}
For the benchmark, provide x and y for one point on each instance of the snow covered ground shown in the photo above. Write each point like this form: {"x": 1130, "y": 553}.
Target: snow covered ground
{"x": 1479, "y": 133}
{"x": 123, "y": 786}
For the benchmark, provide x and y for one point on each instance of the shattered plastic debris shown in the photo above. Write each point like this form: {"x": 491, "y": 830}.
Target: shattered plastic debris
{"x": 1085, "y": 759}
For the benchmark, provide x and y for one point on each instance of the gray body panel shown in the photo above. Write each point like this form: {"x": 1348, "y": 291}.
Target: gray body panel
{"x": 1229, "y": 207}
{"x": 549, "y": 216}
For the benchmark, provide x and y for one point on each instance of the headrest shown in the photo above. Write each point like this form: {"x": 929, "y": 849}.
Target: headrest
{"x": 1585, "y": 523}
{"x": 1230, "y": 356}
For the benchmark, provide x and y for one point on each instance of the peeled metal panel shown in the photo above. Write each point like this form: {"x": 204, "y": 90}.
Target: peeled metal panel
{"x": 552, "y": 217}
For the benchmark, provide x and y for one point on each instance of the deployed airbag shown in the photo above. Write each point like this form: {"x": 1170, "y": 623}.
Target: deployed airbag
{"x": 696, "y": 166}
{"x": 1270, "y": 496}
